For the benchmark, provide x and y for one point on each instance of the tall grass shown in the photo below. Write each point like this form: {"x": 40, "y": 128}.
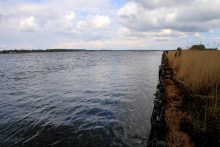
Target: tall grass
{"x": 199, "y": 70}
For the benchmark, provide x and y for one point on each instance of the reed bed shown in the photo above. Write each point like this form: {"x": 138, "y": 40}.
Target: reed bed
{"x": 199, "y": 70}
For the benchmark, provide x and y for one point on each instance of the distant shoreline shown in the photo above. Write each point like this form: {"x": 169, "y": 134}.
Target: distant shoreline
{"x": 16, "y": 51}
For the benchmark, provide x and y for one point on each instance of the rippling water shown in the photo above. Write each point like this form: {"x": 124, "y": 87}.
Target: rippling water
{"x": 86, "y": 98}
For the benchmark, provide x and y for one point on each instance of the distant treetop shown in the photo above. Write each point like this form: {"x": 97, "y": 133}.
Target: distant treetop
{"x": 179, "y": 49}
{"x": 197, "y": 47}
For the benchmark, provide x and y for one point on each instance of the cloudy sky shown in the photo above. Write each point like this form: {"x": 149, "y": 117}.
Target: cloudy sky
{"x": 108, "y": 24}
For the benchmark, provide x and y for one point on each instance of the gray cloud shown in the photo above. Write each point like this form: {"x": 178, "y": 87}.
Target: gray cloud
{"x": 200, "y": 13}
{"x": 154, "y": 4}
{"x": 198, "y": 16}
{"x": 1, "y": 17}
{"x": 159, "y": 35}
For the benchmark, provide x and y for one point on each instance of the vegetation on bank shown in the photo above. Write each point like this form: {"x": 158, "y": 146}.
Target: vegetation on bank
{"x": 199, "y": 71}
{"x": 197, "y": 47}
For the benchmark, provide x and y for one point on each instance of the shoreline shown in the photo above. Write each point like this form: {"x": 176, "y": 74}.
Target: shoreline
{"x": 181, "y": 116}
{"x": 158, "y": 123}
{"x": 168, "y": 118}
{"x": 65, "y": 50}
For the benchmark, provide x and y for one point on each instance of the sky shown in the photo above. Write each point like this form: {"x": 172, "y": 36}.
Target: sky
{"x": 108, "y": 24}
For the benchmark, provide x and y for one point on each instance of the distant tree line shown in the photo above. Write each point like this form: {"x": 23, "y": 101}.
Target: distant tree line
{"x": 37, "y": 51}
{"x": 197, "y": 47}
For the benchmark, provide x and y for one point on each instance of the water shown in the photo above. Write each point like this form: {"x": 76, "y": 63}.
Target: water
{"x": 86, "y": 98}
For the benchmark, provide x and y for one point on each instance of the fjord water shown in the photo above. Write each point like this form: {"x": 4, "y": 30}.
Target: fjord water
{"x": 82, "y": 98}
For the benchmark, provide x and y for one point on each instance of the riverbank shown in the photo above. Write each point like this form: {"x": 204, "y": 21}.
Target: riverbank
{"x": 197, "y": 74}
{"x": 187, "y": 113}
{"x": 167, "y": 114}
{"x": 158, "y": 123}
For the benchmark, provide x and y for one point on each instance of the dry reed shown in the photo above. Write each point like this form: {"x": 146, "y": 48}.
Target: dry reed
{"x": 199, "y": 70}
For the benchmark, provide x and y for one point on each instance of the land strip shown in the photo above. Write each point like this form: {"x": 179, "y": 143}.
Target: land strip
{"x": 168, "y": 117}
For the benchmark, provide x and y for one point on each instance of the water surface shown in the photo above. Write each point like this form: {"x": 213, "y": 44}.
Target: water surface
{"x": 85, "y": 98}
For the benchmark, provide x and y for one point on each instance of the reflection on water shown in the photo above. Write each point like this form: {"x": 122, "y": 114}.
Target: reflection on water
{"x": 94, "y": 98}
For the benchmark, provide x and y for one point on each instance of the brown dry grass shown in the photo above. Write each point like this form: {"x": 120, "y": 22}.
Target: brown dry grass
{"x": 173, "y": 116}
{"x": 200, "y": 70}
{"x": 178, "y": 139}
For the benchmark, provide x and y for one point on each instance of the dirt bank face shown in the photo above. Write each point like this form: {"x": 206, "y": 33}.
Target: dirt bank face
{"x": 167, "y": 114}
{"x": 174, "y": 114}
{"x": 181, "y": 117}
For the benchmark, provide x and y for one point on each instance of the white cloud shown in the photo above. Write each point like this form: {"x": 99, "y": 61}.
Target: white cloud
{"x": 29, "y": 24}
{"x": 167, "y": 31}
{"x": 170, "y": 17}
{"x": 136, "y": 17}
{"x": 101, "y": 21}
{"x": 82, "y": 24}
{"x": 122, "y": 43}
{"x": 198, "y": 36}
{"x": 129, "y": 10}
{"x": 70, "y": 17}
{"x": 95, "y": 22}
{"x": 60, "y": 23}
{"x": 105, "y": 44}
{"x": 67, "y": 21}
